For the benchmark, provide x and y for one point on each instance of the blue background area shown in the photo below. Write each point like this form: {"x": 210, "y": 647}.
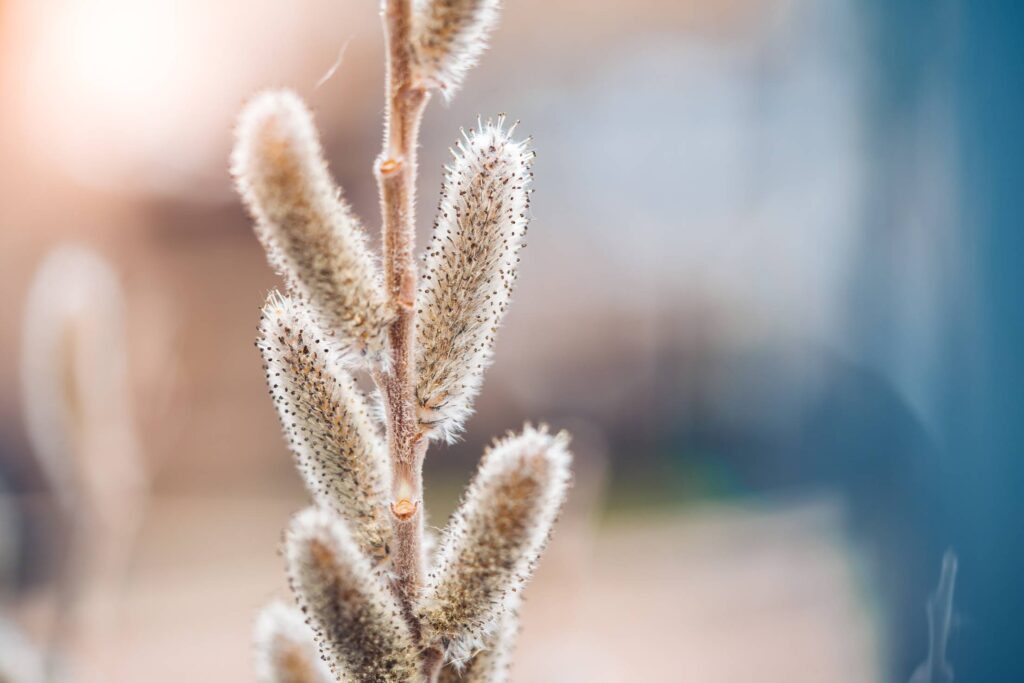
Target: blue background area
{"x": 989, "y": 444}
{"x": 984, "y": 419}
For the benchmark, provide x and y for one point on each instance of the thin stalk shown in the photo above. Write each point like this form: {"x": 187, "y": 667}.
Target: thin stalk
{"x": 396, "y": 178}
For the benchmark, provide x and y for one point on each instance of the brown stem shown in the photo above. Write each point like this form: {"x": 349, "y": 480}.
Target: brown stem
{"x": 396, "y": 178}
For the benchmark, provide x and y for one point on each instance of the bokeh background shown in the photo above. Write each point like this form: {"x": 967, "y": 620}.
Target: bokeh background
{"x": 772, "y": 286}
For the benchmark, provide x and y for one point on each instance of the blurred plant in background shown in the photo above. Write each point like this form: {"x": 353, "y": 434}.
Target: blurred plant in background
{"x": 78, "y": 409}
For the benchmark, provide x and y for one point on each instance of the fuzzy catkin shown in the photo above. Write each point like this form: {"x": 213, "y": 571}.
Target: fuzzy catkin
{"x": 310, "y": 234}
{"x": 448, "y": 38}
{"x": 285, "y": 649}
{"x": 470, "y": 269}
{"x": 493, "y": 540}
{"x": 358, "y": 622}
{"x": 326, "y": 421}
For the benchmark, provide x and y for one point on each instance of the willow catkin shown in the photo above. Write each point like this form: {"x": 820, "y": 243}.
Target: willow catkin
{"x": 493, "y": 540}
{"x": 470, "y": 269}
{"x": 359, "y": 625}
{"x": 285, "y": 649}
{"x": 327, "y": 422}
{"x": 448, "y": 38}
{"x": 310, "y": 234}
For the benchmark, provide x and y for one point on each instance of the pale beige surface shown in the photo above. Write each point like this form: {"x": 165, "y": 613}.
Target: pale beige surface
{"x": 713, "y": 594}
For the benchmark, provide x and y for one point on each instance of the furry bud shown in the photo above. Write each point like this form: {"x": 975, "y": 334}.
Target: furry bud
{"x": 359, "y": 624}
{"x": 327, "y": 423}
{"x": 310, "y": 234}
{"x": 448, "y": 38}
{"x": 470, "y": 269}
{"x": 492, "y": 543}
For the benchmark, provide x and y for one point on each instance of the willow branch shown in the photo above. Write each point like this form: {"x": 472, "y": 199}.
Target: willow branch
{"x": 396, "y": 178}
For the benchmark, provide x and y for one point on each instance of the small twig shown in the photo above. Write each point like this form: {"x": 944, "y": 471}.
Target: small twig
{"x": 396, "y": 178}
{"x": 333, "y": 68}
{"x": 935, "y": 668}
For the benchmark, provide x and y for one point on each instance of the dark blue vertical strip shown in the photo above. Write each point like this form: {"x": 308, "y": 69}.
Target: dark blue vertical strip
{"x": 981, "y": 468}
{"x": 989, "y": 467}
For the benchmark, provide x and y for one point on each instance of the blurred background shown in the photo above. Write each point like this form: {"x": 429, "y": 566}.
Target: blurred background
{"x": 771, "y": 286}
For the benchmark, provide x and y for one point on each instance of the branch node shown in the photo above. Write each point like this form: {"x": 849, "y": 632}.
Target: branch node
{"x": 404, "y": 508}
{"x": 389, "y": 166}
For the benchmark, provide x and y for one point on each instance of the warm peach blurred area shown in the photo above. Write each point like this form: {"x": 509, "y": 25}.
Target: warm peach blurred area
{"x": 709, "y": 596}
{"x": 637, "y": 319}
